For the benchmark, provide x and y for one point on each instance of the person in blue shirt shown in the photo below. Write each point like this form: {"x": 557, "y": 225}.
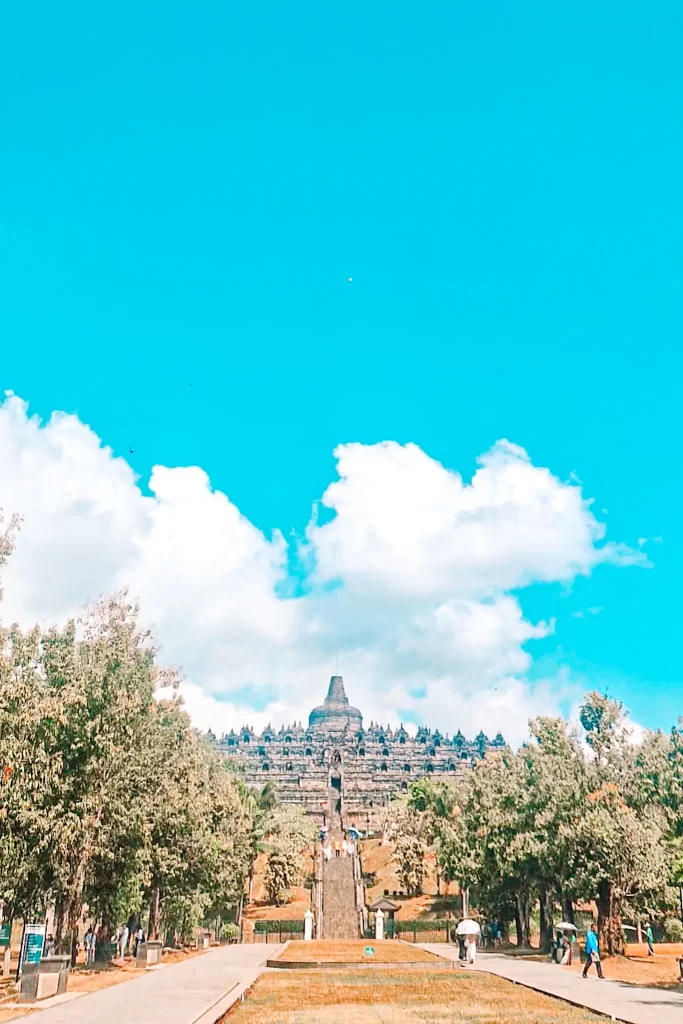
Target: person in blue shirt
{"x": 592, "y": 952}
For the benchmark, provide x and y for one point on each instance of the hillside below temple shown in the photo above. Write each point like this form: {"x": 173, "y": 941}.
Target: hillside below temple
{"x": 335, "y": 767}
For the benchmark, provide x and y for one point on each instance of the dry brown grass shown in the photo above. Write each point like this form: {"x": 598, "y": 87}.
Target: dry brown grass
{"x": 260, "y": 906}
{"x": 379, "y": 861}
{"x": 399, "y": 997}
{"x": 389, "y": 951}
{"x": 654, "y": 971}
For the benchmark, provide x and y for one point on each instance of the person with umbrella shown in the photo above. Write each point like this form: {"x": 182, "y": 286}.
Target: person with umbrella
{"x": 467, "y": 932}
{"x": 564, "y": 942}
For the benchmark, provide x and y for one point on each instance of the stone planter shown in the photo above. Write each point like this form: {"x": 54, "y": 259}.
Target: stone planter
{"x": 149, "y": 953}
{"x": 44, "y": 979}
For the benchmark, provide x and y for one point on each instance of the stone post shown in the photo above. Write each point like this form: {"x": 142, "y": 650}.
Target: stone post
{"x": 308, "y": 925}
{"x": 379, "y": 925}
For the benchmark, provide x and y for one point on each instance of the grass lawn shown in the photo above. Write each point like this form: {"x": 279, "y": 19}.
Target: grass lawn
{"x": 329, "y": 951}
{"x": 398, "y": 997}
{"x": 659, "y": 971}
{"x": 654, "y": 971}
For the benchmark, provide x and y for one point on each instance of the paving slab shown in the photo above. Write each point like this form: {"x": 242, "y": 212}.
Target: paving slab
{"x": 633, "y": 1004}
{"x": 196, "y": 991}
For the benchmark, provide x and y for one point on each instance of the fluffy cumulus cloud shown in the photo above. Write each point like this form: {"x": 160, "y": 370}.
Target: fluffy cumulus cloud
{"x": 409, "y": 579}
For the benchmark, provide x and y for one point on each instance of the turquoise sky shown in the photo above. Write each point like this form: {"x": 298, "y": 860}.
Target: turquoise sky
{"x": 185, "y": 190}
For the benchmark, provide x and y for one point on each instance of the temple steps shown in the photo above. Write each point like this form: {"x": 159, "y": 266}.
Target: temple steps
{"x": 340, "y": 918}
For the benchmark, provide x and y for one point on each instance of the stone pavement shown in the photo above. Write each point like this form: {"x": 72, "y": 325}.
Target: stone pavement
{"x": 196, "y": 991}
{"x": 630, "y": 1003}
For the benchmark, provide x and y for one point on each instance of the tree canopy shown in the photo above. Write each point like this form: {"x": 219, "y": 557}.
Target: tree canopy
{"x": 564, "y": 819}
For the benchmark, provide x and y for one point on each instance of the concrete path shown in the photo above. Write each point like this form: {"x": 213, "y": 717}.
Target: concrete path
{"x": 196, "y": 991}
{"x": 630, "y": 1003}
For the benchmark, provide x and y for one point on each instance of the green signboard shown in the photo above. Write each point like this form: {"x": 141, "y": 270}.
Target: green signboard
{"x": 34, "y": 948}
{"x": 369, "y": 951}
{"x": 31, "y": 945}
{"x": 5, "y": 935}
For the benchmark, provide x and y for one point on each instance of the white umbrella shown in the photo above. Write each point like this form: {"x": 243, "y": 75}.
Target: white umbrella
{"x": 467, "y": 927}
{"x": 565, "y": 926}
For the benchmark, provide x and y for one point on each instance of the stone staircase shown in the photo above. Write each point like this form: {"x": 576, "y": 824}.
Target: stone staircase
{"x": 340, "y": 917}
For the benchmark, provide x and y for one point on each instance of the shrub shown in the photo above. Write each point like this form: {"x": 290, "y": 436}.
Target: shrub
{"x": 420, "y": 924}
{"x": 229, "y": 932}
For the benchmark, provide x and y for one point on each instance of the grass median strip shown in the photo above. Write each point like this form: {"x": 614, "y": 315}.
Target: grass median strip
{"x": 356, "y": 952}
{"x": 400, "y": 997}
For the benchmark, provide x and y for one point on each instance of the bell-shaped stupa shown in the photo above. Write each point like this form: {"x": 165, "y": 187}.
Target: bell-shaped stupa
{"x": 336, "y": 714}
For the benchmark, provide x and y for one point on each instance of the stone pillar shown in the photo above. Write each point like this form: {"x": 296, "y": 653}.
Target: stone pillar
{"x": 379, "y": 925}
{"x": 308, "y": 925}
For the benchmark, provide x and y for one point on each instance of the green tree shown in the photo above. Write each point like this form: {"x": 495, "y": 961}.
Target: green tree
{"x": 622, "y": 859}
{"x": 282, "y": 873}
{"x": 410, "y": 850}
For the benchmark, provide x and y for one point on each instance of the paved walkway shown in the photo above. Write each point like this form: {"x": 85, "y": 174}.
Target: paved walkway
{"x": 196, "y": 991}
{"x": 630, "y": 1003}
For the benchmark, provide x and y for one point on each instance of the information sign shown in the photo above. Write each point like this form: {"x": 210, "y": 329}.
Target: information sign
{"x": 5, "y": 935}
{"x": 31, "y": 945}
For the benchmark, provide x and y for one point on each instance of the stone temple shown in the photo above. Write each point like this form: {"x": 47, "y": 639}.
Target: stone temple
{"x": 335, "y": 767}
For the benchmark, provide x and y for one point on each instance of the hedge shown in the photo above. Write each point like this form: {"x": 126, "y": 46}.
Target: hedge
{"x": 268, "y": 925}
{"x": 420, "y": 925}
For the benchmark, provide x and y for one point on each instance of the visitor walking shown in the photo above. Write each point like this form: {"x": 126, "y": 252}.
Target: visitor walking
{"x": 650, "y": 939}
{"x": 337, "y": 848}
{"x": 123, "y": 941}
{"x": 592, "y": 952}
{"x": 50, "y": 945}
{"x": 471, "y": 949}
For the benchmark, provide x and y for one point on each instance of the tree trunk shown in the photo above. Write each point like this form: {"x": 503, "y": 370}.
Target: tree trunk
{"x": 546, "y": 907}
{"x": 59, "y": 928}
{"x": 102, "y": 954}
{"x": 609, "y": 920}
{"x": 568, "y": 909}
{"x": 505, "y": 931}
{"x": 523, "y": 920}
{"x": 154, "y": 905}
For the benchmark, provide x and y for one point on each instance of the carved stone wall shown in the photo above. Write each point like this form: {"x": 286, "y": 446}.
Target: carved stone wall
{"x": 335, "y": 753}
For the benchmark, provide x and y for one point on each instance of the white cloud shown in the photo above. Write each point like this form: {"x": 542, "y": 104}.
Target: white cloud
{"x": 420, "y": 613}
{"x": 407, "y": 527}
